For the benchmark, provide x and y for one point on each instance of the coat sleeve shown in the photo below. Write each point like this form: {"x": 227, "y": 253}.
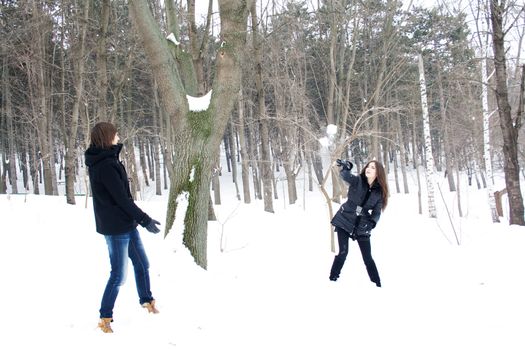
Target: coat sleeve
{"x": 347, "y": 176}
{"x": 116, "y": 188}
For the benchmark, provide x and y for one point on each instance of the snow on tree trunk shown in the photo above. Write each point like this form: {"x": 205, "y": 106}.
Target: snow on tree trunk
{"x": 428, "y": 146}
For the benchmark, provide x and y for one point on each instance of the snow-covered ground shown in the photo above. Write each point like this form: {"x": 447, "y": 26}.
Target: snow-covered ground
{"x": 267, "y": 284}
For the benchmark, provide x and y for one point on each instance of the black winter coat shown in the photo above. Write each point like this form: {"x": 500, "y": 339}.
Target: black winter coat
{"x": 115, "y": 211}
{"x": 346, "y": 217}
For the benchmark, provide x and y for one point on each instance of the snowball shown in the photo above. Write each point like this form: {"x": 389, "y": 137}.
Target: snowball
{"x": 331, "y": 129}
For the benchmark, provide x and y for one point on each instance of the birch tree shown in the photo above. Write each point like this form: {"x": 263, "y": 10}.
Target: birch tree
{"x": 483, "y": 42}
{"x": 428, "y": 145}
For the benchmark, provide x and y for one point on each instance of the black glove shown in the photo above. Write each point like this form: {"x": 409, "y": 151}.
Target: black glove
{"x": 151, "y": 227}
{"x": 371, "y": 224}
{"x": 346, "y": 164}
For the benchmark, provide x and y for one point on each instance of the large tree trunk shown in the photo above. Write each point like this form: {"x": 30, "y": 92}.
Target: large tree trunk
{"x": 197, "y": 134}
{"x": 509, "y": 127}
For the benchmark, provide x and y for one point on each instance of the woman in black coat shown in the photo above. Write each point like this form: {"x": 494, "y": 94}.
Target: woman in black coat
{"x": 117, "y": 217}
{"x": 357, "y": 217}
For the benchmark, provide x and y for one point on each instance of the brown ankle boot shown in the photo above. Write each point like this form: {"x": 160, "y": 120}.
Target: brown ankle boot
{"x": 150, "y": 306}
{"x": 105, "y": 325}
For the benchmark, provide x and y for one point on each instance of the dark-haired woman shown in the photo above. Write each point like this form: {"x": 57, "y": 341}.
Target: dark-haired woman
{"x": 117, "y": 217}
{"x": 357, "y": 217}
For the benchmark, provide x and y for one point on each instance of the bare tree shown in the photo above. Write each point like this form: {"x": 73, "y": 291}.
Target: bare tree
{"x": 196, "y": 134}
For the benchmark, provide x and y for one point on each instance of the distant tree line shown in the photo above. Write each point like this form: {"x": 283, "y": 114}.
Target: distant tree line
{"x": 279, "y": 78}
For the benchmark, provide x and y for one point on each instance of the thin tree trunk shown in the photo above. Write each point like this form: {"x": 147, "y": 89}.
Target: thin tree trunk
{"x": 3, "y": 184}
{"x": 41, "y": 99}
{"x": 458, "y": 192}
{"x": 396, "y": 176}
{"x": 446, "y": 141}
{"x": 332, "y": 78}
{"x": 8, "y": 115}
{"x": 71, "y": 149}
{"x": 34, "y": 161}
{"x": 255, "y": 161}
{"x": 149, "y": 159}
{"x": 24, "y": 165}
{"x": 428, "y": 145}
{"x": 233, "y": 155}
{"x": 101, "y": 62}
{"x": 155, "y": 150}
{"x": 416, "y": 166}
{"x": 215, "y": 183}
{"x": 402, "y": 155}
{"x": 265, "y": 162}
{"x": 142, "y": 159}
{"x": 245, "y": 169}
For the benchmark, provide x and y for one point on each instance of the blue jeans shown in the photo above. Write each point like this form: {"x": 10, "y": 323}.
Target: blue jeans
{"x": 120, "y": 248}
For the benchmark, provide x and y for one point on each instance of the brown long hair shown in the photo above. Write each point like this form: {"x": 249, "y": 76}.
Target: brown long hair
{"x": 102, "y": 135}
{"x": 381, "y": 180}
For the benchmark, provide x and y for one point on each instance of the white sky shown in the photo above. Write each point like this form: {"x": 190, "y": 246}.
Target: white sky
{"x": 267, "y": 283}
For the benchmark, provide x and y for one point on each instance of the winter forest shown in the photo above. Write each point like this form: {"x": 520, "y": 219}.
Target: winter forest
{"x": 437, "y": 89}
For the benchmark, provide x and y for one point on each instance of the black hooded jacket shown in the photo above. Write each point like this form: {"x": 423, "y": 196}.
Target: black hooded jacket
{"x": 115, "y": 211}
{"x": 347, "y": 218}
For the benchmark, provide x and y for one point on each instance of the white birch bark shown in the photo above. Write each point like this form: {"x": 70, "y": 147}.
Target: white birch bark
{"x": 428, "y": 146}
{"x": 486, "y": 127}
